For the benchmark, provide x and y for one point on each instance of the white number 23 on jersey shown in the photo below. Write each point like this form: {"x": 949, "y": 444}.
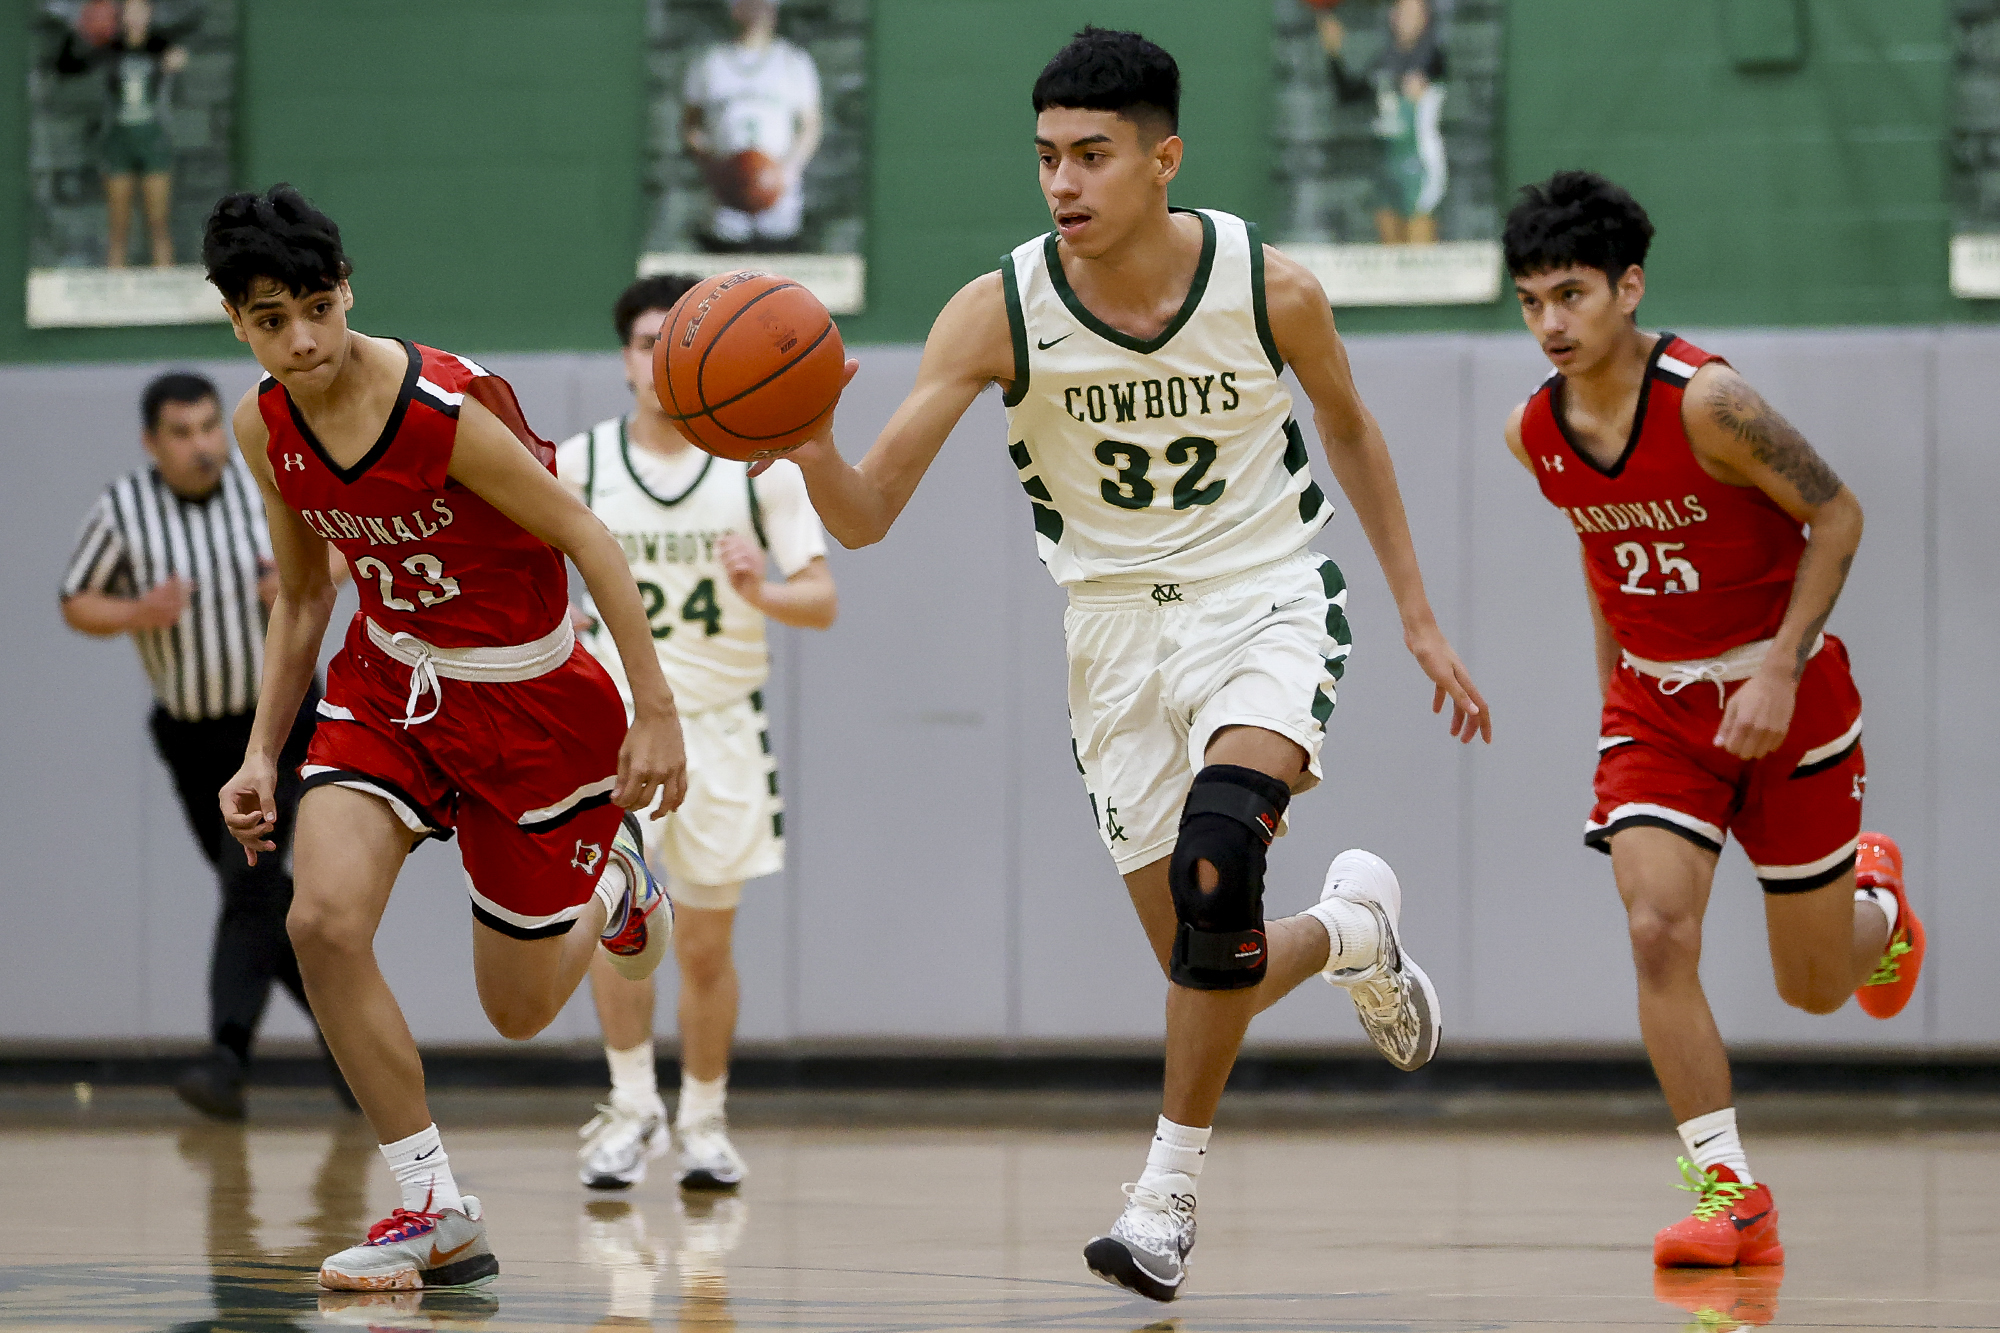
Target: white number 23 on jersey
{"x": 426, "y": 567}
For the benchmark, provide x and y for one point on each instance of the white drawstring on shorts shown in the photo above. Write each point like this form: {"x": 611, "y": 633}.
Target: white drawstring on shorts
{"x": 1739, "y": 663}
{"x": 423, "y": 678}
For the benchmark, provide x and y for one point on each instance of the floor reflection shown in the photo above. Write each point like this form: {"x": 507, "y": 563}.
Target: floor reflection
{"x": 1721, "y": 1299}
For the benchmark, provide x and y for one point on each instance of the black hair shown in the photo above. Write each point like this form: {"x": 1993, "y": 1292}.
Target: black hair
{"x": 276, "y": 235}
{"x": 176, "y": 386}
{"x": 659, "y": 291}
{"x": 1105, "y": 70}
{"x": 1576, "y": 218}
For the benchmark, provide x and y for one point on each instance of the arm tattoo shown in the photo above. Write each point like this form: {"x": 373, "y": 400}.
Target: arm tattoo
{"x": 1773, "y": 441}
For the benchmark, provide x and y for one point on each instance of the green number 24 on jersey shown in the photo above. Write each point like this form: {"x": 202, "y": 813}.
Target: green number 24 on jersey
{"x": 700, "y": 608}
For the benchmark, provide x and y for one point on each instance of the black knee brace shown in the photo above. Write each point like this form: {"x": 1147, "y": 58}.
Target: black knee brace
{"x": 1231, "y": 816}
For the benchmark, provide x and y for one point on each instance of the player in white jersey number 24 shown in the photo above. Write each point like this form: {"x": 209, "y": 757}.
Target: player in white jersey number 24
{"x": 1139, "y": 350}
{"x": 699, "y": 534}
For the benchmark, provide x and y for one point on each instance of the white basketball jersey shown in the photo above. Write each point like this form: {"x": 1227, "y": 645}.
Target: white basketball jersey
{"x": 753, "y": 99}
{"x": 1165, "y": 460}
{"x": 710, "y": 641}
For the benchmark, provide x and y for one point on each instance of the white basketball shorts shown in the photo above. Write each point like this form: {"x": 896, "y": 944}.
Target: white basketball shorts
{"x": 1155, "y": 672}
{"x": 731, "y": 826}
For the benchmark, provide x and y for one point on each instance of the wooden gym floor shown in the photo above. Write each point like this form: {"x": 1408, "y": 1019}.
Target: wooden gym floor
{"x": 146, "y": 1220}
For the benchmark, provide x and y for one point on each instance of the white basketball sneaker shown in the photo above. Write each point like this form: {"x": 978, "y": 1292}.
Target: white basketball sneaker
{"x": 1146, "y": 1250}
{"x": 1396, "y": 1002}
{"x": 619, "y": 1141}
{"x": 416, "y": 1251}
{"x": 636, "y": 934}
{"x": 708, "y": 1160}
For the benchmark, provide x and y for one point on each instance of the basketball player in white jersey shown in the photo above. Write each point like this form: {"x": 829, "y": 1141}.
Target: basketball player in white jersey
{"x": 1139, "y": 350}
{"x": 759, "y": 92}
{"x": 698, "y": 533}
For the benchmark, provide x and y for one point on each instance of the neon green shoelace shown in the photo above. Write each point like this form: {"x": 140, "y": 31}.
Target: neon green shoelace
{"x": 1890, "y": 969}
{"x": 1714, "y": 1195}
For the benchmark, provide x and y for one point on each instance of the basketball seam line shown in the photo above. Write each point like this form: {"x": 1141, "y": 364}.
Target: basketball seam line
{"x": 710, "y": 409}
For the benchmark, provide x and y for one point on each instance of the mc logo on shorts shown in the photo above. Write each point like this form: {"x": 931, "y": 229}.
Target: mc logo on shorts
{"x": 588, "y": 854}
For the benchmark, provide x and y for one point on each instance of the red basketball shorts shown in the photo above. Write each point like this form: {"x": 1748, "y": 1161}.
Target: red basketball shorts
{"x": 522, "y": 770}
{"x": 1796, "y": 811}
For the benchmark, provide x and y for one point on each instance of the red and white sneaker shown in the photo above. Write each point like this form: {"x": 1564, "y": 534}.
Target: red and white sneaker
{"x": 1878, "y": 864}
{"x": 637, "y": 933}
{"x": 411, "y": 1250}
{"x": 1732, "y": 1225}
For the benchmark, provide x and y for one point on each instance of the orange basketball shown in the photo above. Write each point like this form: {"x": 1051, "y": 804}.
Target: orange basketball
{"x": 748, "y": 365}
{"x": 750, "y": 181}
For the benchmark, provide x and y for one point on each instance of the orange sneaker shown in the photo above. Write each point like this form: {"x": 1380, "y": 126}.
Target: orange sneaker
{"x": 1720, "y": 1299}
{"x": 1878, "y": 863}
{"x": 1732, "y": 1223}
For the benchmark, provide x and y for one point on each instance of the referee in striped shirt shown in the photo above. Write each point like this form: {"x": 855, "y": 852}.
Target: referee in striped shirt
{"x": 176, "y": 555}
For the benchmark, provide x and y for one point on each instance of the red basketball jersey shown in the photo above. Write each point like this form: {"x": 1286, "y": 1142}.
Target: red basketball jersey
{"x": 1683, "y": 565}
{"x": 429, "y": 557}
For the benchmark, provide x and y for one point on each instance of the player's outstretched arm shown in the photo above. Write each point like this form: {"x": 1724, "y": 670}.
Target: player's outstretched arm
{"x": 1302, "y": 324}
{"x": 489, "y": 461}
{"x": 969, "y": 348}
{"x": 299, "y": 614}
{"x": 1741, "y": 439}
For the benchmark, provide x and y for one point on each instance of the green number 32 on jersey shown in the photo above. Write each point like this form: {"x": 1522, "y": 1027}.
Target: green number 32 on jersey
{"x": 1129, "y": 488}
{"x": 700, "y": 608}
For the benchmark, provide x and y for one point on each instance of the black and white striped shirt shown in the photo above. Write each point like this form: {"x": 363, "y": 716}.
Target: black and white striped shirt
{"x": 140, "y": 534}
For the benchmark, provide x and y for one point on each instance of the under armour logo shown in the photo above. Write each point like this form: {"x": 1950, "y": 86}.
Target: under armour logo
{"x": 295, "y": 462}
{"x": 588, "y": 854}
{"x": 1552, "y": 462}
{"x": 1113, "y": 830}
{"x": 1860, "y": 785}
{"x": 1166, "y": 592}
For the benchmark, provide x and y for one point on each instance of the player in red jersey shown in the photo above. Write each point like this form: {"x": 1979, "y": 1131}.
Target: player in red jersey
{"x": 1715, "y": 542}
{"x": 460, "y": 700}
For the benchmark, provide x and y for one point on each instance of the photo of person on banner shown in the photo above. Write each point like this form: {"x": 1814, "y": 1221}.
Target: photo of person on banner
{"x": 136, "y": 59}
{"x": 750, "y": 114}
{"x": 1406, "y": 83}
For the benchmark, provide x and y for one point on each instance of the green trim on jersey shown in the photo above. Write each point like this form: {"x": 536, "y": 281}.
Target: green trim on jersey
{"x": 1257, "y": 301}
{"x": 590, "y": 462}
{"x": 1017, "y": 328}
{"x": 625, "y": 449}
{"x": 756, "y": 514}
{"x": 1144, "y": 346}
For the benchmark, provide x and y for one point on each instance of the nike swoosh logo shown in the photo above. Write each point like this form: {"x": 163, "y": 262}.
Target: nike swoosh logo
{"x": 420, "y": 1156}
{"x": 439, "y": 1258}
{"x": 1699, "y": 1143}
{"x": 1745, "y": 1223}
{"x": 1045, "y": 346}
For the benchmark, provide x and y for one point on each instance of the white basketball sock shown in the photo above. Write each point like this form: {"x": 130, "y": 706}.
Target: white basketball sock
{"x": 1177, "y": 1150}
{"x": 635, "y": 1082}
{"x": 1353, "y": 934}
{"x": 700, "y": 1099}
{"x": 423, "y": 1172}
{"x": 1711, "y": 1141}
{"x": 610, "y": 891}
{"x": 1883, "y": 899}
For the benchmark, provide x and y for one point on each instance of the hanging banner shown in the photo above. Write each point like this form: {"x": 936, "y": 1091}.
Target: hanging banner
{"x": 131, "y": 107}
{"x": 757, "y": 153}
{"x": 1388, "y": 125}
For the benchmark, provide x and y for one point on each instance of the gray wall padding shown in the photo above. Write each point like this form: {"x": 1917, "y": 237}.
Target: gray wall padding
{"x": 946, "y": 883}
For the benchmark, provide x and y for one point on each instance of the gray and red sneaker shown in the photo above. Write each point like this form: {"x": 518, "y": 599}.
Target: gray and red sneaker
{"x": 411, "y": 1251}
{"x": 637, "y": 933}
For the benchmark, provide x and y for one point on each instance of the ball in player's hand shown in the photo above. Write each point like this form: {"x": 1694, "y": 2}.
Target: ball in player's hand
{"x": 748, "y": 365}
{"x": 750, "y": 181}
